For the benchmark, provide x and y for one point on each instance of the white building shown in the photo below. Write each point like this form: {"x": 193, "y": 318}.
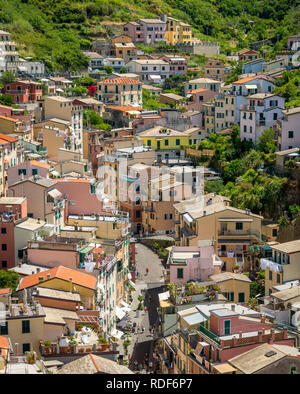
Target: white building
{"x": 262, "y": 112}
{"x": 151, "y": 70}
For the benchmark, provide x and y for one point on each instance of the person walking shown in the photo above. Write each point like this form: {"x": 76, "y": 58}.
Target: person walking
{"x": 147, "y": 270}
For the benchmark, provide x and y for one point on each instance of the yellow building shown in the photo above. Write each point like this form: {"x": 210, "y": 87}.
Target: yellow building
{"x": 235, "y": 287}
{"x": 62, "y": 278}
{"x": 233, "y": 229}
{"x": 25, "y": 327}
{"x": 283, "y": 266}
{"x": 161, "y": 137}
{"x": 178, "y": 32}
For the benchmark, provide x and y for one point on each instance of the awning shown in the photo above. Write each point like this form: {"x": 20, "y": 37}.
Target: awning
{"x": 54, "y": 193}
{"x": 187, "y": 217}
{"x": 224, "y": 368}
{"x": 164, "y": 296}
{"x": 158, "y": 77}
{"x": 20, "y": 68}
{"x": 251, "y": 86}
{"x": 117, "y": 334}
{"x": 132, "y": 284}
{"x": 120, "y": 313}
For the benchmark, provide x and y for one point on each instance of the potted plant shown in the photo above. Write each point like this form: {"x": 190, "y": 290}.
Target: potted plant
{"x": 31, "y": 357}
{"x": 126, "y": 343}
{"x": 104, "y": 343}
{"x": 47, "y": 345}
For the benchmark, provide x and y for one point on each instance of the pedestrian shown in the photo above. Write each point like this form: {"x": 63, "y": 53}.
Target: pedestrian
{"x": 146, "y": 309}
{"x": 150, "y": 365}
{"x": 140, "y": 367}
{"x": 147, "y": 270}
{"x": 143, "y": 328}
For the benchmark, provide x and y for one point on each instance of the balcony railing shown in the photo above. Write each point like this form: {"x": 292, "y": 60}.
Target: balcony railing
{"x": 237, "y": 233}
{"x": 209, "y": 334}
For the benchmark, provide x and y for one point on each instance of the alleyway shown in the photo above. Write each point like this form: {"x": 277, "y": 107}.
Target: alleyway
{"x": 147, "y": 284}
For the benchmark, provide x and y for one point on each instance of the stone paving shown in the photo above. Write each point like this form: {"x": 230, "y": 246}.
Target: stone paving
{"x": 146, "y": 284}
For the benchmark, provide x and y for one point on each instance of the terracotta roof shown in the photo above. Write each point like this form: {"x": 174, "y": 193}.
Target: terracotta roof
{"x": 7, "y": 118}
{"x": 124, "y": 108}
{"x": 244, "y": 80}
{"x": 63, "y": 273}
{"x": 80, "y": 180}
{"x": 198, "y": 90}
{"x": 5, "y": 291}
{"x": 8, "y": 138}
{"x": 117, "y": 81}
{"x": 4, "y": 344}
{"x": 40, "y": 164}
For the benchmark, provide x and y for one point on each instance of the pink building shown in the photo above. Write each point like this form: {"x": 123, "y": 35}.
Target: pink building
{"x": 81, "y": 195}
{"x": 227, "y": 334}
{"x": 146, "y": 30}
{"x": 26, "y": 170}
{"x": 198, "y": 97}
{"x": 191, "y": 263}
{"x": 11, "y": 210}
{"x": 289, "y": 129}
{"x": 56, "y": 251}
{"x": 178, "y": 64}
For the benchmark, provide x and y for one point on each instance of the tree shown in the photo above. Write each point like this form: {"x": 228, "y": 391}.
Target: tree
{"x": 266, "y": 142}
{"x": 109, "y": 70}
{"x": 232, "y": 170}
{"x": 8, "y": 77}
{"x": 9, "y": 279}
{"x": 80, "y": 91}
{"x": 123, "y": 70}
{"x": 6, "y": 100}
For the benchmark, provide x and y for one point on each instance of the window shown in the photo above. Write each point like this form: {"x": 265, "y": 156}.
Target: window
{"x": 177, "y": 142}
{"x": 227, "y": 324}
{"x": 22, "y": 171}
{"x": 4, "y": 264}
{"x": 293, "y": 371}
{"x": 3, "y": 230}
{"x": 241, "y": 297}
{"x": 149, "y": 142}
{"x": 4, "y": 329}
{"x": 179, "y": 273}
{"x": 137, "y": 214}
{"x": 278, "y": 278}
{"x": 274, "y": 232}
{"x": 25, "y": 326}
{"x": 270, "y": 275}
{"x": 34, "y": 171}
{"x": 245, "y": 129}
{"x": 291, "y": 134}
{"x": 239, "y": 226}
{"x": 166, "y": 142}
{"x": 4, "y": 246}
{"x": 26, "y": 347}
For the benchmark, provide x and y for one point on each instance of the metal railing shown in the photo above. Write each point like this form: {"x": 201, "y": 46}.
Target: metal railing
{"x": 209, "y": 334}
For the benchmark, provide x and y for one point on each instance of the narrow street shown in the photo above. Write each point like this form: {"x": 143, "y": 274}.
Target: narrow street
{"x": 150, "y": 284}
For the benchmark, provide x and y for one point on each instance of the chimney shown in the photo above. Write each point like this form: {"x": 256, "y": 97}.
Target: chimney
{"x": 234, "y": 341}
{"x": 38, "y": 220}
{"x": 16, "y": 349}
{"x": 38, "y": 270}
{"x": 271, "y": 340}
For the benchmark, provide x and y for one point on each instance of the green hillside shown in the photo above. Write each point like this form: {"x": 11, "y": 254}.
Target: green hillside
{"x": 55, "y": 31}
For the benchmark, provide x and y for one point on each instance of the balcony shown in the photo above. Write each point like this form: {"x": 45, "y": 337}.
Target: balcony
{"x": 238, "y": 233}
{"x": 262, "y": 122}
{"x": 209, "y": 334}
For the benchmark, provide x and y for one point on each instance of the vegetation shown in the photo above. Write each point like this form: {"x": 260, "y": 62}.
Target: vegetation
{"x": 94, "y": 120}
{"x": 289, "y": 87}
{"x": 152, "y": 102}
{"x": 9, "y": 279}
{"x": 56, "y": 31}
